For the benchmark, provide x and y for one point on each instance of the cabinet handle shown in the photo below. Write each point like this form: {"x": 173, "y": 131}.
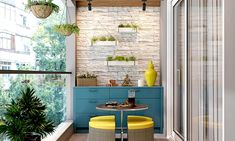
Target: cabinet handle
{"x": 92, "y": 90}
{"x": 92, "y": 101}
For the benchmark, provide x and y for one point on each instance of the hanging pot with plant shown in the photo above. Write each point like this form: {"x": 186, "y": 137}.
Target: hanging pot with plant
{"x": 67, "y": 28}
{"x": 42, "y": 8}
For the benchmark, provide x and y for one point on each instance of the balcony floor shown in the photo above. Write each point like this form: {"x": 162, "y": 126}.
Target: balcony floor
{"x": 83, "y": 137}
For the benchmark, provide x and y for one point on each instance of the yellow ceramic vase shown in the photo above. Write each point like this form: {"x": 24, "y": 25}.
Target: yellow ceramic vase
{"x": 150, "y": 74}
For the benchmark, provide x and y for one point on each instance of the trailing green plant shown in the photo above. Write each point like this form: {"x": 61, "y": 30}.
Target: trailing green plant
{"x": 54, "y": 7}
{"x": 121, "y": 58}
{"x": 67, "y": 28}
{"x": 102, "y": 38}
{"x": 132, "y": 58}
{"x": 25, "y": 117}
{"x": 132, "y": 25}
{"x": 87, "y": 75}
{"x": 109, "y": 58}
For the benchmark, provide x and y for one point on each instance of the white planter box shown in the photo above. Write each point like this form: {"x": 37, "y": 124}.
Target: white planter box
{"x": 127, "y": 30}
{"x": 121, "y": 63}
{"x": 104, "y": 43}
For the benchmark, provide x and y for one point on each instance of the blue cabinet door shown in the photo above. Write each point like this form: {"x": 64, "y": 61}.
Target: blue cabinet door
{"x": 91, "y": 92}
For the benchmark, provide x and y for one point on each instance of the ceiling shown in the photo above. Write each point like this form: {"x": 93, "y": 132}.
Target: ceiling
{"x": 118, "y": 3}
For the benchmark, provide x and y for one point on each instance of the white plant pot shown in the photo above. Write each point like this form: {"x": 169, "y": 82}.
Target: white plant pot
{"x": 104, "y": 43}
{"x": 126, "y": 30}
{"x": 121, "y": 63}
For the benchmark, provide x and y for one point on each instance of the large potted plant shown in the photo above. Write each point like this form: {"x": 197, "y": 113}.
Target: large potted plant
{"x": 67, "y": 29}
{"x": 25, "y": 118}
{"x": 42, "y": 8}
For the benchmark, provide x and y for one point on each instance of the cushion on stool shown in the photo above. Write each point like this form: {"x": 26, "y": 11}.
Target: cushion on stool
{"x": 139, "y": 118}
{"x": 103, "y": 118}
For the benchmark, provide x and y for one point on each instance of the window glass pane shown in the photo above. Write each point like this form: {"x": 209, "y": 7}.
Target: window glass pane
{"x": 179, "y": 68}
{"x": 32, "y": 41}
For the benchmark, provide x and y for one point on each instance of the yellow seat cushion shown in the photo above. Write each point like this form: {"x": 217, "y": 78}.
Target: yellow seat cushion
{"x": 139, "y": 118}
{"x": 103, "y": 118}
{"x": 133, "y": 125}
{"x": 106, "y": 125}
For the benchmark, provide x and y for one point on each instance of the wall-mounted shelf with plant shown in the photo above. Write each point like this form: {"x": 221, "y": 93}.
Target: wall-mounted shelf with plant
{"x": 121, "y": 61}
{"x": 127, "y": 28}
{"x": 103, "y": 41}
{"x": 87, "y": 79}
{"x": 42, "y": 8}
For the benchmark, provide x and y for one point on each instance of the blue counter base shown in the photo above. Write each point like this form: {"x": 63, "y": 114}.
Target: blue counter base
{"x": 85, "y": 100}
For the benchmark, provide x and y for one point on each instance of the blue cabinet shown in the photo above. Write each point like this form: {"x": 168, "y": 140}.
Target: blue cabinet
{"x": 86, "y": 98}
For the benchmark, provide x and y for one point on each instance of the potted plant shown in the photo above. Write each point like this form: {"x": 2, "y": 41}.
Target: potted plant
{"x": 127, "y": 27}
{"x": 103, "y": 41}
{"x": 67, "y": 29}
{"x": 87, "y": 79}
{"x": 121, "y": 60}
{"x": 25, "y": 118}
{"x": 42, "y": 8}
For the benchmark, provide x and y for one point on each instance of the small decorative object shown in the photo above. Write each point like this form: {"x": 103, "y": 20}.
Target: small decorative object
{"x": 25, "y": 118}
{"x": 87, "y": 80}
{"x": 127, "y": 81}
{"x": 103, "y": 41}
{"x": 150, "y": 74}
{"x": 113, "y": 83}
{"x": 127, "y": 28}
{"x": 42, "y": 8}
{"x": 67, "y": 29}
{"x": 140, "y": 83}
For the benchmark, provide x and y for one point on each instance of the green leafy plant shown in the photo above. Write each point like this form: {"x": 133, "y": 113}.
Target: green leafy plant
{"x": 132, "y": 25}
{"x": 121, "y": 58}
{"x": 54, "y": 7}
{"x": 87, "y": 75}
{"x": 67, "y": 29}
{"x": 132, "y": 58}
{"x": 109, "y": 58}
{"x": 102, "y": 38}
{"x": 25, "y": 118}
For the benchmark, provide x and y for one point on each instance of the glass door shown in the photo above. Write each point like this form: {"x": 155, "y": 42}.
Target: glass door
{"x": 205, "y": 69}
{"x": 179, "y": 69}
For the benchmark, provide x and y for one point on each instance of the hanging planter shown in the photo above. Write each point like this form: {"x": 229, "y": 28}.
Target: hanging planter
{"x": 42, "y": 8}
{"x": 67, "y": 29}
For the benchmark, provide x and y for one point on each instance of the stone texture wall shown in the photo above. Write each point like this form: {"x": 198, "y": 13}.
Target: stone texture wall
{"x": 144, "y": 45}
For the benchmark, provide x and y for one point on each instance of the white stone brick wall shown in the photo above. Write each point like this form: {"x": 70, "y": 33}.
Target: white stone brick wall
{"x": 144, "y": 45}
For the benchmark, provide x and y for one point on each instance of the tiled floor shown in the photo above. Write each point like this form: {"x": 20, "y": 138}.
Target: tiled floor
{"x": 83, "y": 137}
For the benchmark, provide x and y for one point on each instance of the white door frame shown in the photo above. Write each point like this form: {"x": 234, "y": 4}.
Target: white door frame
{"x": 169, "y": 68}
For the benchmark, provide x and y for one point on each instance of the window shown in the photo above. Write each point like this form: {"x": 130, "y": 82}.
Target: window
{"x": 6, "y": 40}
{"x": 35, "y": 55}
{"x": 7, "y": 11}
{"x": 5, "y": 65}
{"x": 23, "y": 20}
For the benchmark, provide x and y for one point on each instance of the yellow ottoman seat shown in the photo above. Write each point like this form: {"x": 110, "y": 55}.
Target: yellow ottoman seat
{"x": 102, "y": 128}
{"x": 140, "y": 128}
{"x": 103, "y": 118}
